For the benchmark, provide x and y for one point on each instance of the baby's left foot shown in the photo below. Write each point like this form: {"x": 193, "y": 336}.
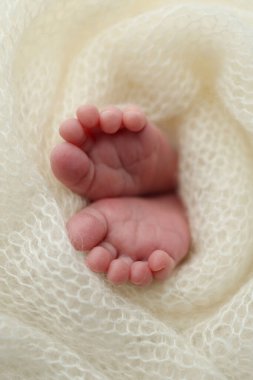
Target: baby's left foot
{"x": 114, "y": 153}
{"x": 132, "y": 239}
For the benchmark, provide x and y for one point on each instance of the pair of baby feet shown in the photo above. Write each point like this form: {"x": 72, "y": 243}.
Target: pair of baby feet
{"x": 135, "y": 228}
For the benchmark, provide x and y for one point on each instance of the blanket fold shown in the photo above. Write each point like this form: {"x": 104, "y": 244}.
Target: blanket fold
{"x": 189, "y": 65}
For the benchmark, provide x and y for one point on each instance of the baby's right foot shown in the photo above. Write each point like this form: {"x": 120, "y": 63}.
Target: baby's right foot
{"x": 132, "y": 239}
{"x": 113, "y": 153}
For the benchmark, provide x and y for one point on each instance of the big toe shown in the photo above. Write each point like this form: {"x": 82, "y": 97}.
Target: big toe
{"x": 72, "y": 167}
{"x": 87, "y": 229}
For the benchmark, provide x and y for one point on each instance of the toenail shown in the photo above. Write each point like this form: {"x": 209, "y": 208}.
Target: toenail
{"x": 114, "y": 114}
{"x": 132, "y": 113}
{"x": 135, "y": 117}
{"x": 88, "y": 115}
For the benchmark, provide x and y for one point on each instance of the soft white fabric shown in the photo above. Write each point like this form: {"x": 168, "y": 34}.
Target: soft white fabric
{"x": 189, "y": 64}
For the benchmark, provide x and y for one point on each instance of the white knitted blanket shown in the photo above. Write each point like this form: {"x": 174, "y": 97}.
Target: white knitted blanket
{"x": 189, "y": 64}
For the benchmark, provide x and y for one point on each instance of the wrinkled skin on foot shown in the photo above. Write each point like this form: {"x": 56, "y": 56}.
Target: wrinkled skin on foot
{"x": 113, "y": 153}
{"x": 132, "y": 239}
{"x": 108, "y": 156}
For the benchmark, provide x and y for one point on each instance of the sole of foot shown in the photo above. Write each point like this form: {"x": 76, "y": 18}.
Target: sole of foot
{"x": 132, "y": 239}
{"x": 113, "y": 153}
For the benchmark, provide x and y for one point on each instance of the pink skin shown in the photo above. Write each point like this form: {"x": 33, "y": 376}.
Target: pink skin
{"x": 118, "y": 153}
{"x": 113, "y": 154}
{"x": 132, "y": 239}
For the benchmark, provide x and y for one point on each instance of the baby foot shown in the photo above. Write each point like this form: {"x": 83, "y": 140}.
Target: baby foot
{"x": 132, "y": 239}
{"x": 113, "y": 153}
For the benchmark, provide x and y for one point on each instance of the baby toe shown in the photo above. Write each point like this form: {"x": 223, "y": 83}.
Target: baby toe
{"x": 140, "y": 273}
{"x": 134, "y": 119}
{"x": 162, "y": 274}
{"x": 99, "y": 259}
{"x": 158, "y": 260}
{"x": 88, "y": 116}
{"x": 161, "y": 264}
{"x": 111, "y": 120}
{"x": 119, "y": 271}
{"x": 72, "y": 131}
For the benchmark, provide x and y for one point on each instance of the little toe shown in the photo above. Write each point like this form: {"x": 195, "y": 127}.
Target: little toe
{"x": 119, "y": 271}
{"x": 88, "y": 116}
{"x": 158, "y": 260}
{"x": 72, "y": 167}
{"x": 72, "y": 131}
{"x": 111, "y": 119}
{"x": 161, "y": 264}
{"x": 163, "y": 273}
{"x": 134, "y": 119}
{"x": 140, "y": 273}
{"x": 99, "y": 259}
{"x": 87, "y": 229}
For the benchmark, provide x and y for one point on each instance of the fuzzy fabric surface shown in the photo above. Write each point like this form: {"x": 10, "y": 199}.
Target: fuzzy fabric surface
{"x": 189, "y": 65}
